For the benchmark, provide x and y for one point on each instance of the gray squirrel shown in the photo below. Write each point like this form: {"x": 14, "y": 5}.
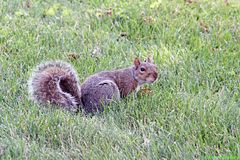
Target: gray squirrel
{"x": 56, "y": 82}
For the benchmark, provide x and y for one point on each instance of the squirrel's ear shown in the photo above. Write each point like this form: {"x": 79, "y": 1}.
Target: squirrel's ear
{"x": 149, "y": 60}
{"x": 136, "y": 62}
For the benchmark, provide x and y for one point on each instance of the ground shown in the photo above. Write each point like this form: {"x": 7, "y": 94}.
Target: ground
{"x": 191, "y": 112}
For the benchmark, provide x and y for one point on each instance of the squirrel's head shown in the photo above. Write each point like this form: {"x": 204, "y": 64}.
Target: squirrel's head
{"x": 145, "y": 72}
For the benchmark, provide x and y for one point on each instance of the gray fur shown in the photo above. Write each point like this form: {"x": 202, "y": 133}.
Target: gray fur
{"x": 97, "y": 93}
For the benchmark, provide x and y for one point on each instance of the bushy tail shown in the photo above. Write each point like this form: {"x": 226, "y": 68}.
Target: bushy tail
{"x": 55, "y": 82}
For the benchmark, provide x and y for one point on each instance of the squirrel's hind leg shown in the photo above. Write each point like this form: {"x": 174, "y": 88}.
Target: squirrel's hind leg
{"x": 97, "y": 97}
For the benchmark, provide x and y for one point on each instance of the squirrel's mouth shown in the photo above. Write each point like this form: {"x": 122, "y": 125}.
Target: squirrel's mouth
{"x": 151, "y": 80}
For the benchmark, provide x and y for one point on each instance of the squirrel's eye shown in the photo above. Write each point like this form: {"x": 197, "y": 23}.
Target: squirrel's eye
{"x": 142, "y": 69}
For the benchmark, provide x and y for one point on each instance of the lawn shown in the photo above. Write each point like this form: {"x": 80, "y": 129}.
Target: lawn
{"x": 191, "y": 112}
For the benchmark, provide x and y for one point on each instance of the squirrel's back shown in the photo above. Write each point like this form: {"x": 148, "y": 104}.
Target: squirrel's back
{"x": 55, "y": 82}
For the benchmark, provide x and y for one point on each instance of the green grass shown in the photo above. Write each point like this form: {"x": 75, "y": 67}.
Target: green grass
{"x": 193, "y": 112}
